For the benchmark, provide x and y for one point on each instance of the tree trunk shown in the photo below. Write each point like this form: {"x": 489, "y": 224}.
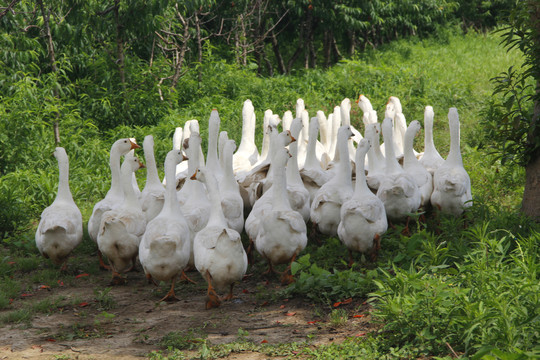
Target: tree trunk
{"x": 277, "y": 54}
{"x": 352, "y": 42}
{"x": 52, "y": 58}
{"x": 119, "y": 45}
{"x": 326, "y": 48}
{"x": 530, "y": 205}
{"x": 199, "y": 46}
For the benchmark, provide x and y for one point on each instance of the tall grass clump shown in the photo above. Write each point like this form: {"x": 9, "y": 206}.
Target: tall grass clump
{"x": 486, "y": 301}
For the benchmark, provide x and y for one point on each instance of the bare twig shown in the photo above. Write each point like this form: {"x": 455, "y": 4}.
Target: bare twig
{"x": 9, "y": 8}
{"x": 452, "y": 350}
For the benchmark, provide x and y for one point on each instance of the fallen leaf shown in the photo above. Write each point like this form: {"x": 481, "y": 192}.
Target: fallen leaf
{"x": 282, "y": 307}
{"x": 347, "y": 301}
{"x": 26, "y": 295}
{"x": 358, "y": 316}
{"x": 51, "y": 340}
{"x": 11, "y": 262}
{"x": 285, "y": 300}
{"x": 83, "y": 304}
{"x": 264, "y": 303}
{"x": 60, "y": 282}
{"x": 295, "y": 352}
{"x": 290, "y": 314}
{"x": 278, "y": 322}
{"x": 11, "y": 301}
{"x": 245, "y": 291}
{"x": 360, "y": 334}
{"x": 336, "y": 304}
{"x": 81, "y": 275}
{"x": 313, "y": 322}
{"x": 264, "y": 341}
{"x": 44, "y": 287}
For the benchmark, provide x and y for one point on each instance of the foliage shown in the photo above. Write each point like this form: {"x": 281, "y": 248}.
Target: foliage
{"x": 514, "y": 129}
{"x": 489, "y": 297}
{"x": 321, "y": 285}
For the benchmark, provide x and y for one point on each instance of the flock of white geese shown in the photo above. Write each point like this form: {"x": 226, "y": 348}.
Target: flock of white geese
{"x": 194, "y": 217}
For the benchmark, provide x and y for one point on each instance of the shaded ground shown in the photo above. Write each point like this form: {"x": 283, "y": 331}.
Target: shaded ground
{"x": 81, "y": 318}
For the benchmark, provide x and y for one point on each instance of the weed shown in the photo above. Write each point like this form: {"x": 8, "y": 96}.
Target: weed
{"x": 184, "y": 340}
{"x": 15, "y": 317}
{"x": 242, "y": 335}
{"x": 338, "y": 317}
{"x": 104, "y": 299}
{"x": 28, "y": 264}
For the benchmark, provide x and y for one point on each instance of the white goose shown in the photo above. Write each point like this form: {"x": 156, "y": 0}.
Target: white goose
{"x": 218, "y": 251}
{"x": 296, "y": 191}
{"x": 451, "y": 182}
{"x": 313, "y": 175}
{"x": 115, "y": 195}
{"x": 397, "y": 190}
{"x": 60, "y": 229}
{"x": 122, "y": 228}
{"x": 165, "y": 247}
{"x": 247, "y": 154}
{"x": 421, "y": 176}
{"x": 325, "y": 138}
{"x": 193, "y": 196}
{"x": 231, "y": 201}
{"x": 153, "y": 194}
{"x": 286, "y": 121}
{"x": 363, "y": 218}
{"x": 212, "y": 161}
{"x": 326, "y": 204}
{"x": 264, "y": 203}
{"x": 431, "y": 159}
{"x": 177, "y": 139}
{"x": 282, "y": 234}
{"x": 375, "y": 157}
{"x": 346, "y": 120}
{"x": 334, "y": 120}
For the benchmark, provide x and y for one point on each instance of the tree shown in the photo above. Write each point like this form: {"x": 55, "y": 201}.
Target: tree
{"x": 517, "y": 131}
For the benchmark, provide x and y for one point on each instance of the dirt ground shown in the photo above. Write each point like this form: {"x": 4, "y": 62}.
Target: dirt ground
{"x": 81, "y": 326}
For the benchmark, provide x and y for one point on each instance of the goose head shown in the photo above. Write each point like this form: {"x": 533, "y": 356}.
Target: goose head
{"x": 364, "y": 104}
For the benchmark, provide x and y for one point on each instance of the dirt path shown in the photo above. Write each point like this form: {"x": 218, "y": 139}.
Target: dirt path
{"x": 82, "y": 323}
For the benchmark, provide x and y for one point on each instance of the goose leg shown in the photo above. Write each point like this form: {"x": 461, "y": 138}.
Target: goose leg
{"x": 376, "y": 247}
{"x": 170, "y": 296}
{"x": 213, "y": 300}
{"x": 250, "y": 252}
{"x": 230, "y": 294}
{"x": 102, "y": 264}
{"x": 286, "y": 277}
{"x": 117, "y": 279}
{"x": 351, "y": 258}
{"x": 151, "y": 280}
{"x": 184, "y": 277}
{"x": 270, "y": 269}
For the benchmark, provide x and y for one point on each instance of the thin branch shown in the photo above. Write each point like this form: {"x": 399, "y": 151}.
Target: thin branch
{"x": 9, "y": 8}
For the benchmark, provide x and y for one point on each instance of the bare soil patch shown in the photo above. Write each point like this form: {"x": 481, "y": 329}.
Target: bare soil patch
{"x": 81, "y": 326}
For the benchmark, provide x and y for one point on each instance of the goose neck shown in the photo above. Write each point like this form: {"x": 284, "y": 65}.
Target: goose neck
{"x": 114, "y": 164}
{"x": 391, "y": 162}
{"x": 360, "y": 186}
{"x": 408, "y": 154}
{"x": 130, "y": 199}
{"x": 152, "y": 176}
{"x": 344, "y": 164}
{"x": 64, "y": 193}
{"x": 293, "y": 173}
{"x": 279, "y": 193}
{"x": 454, "y": 156}
{"x": 311, "y": 156}
{"x": 216, "y": 212}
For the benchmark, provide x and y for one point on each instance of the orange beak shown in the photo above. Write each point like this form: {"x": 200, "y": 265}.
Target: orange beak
{"x": 194, "y": 176}
{"x": 141, "y": 165}
{"x": 292, "y": 138}
{"x": 133, "y": 145}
